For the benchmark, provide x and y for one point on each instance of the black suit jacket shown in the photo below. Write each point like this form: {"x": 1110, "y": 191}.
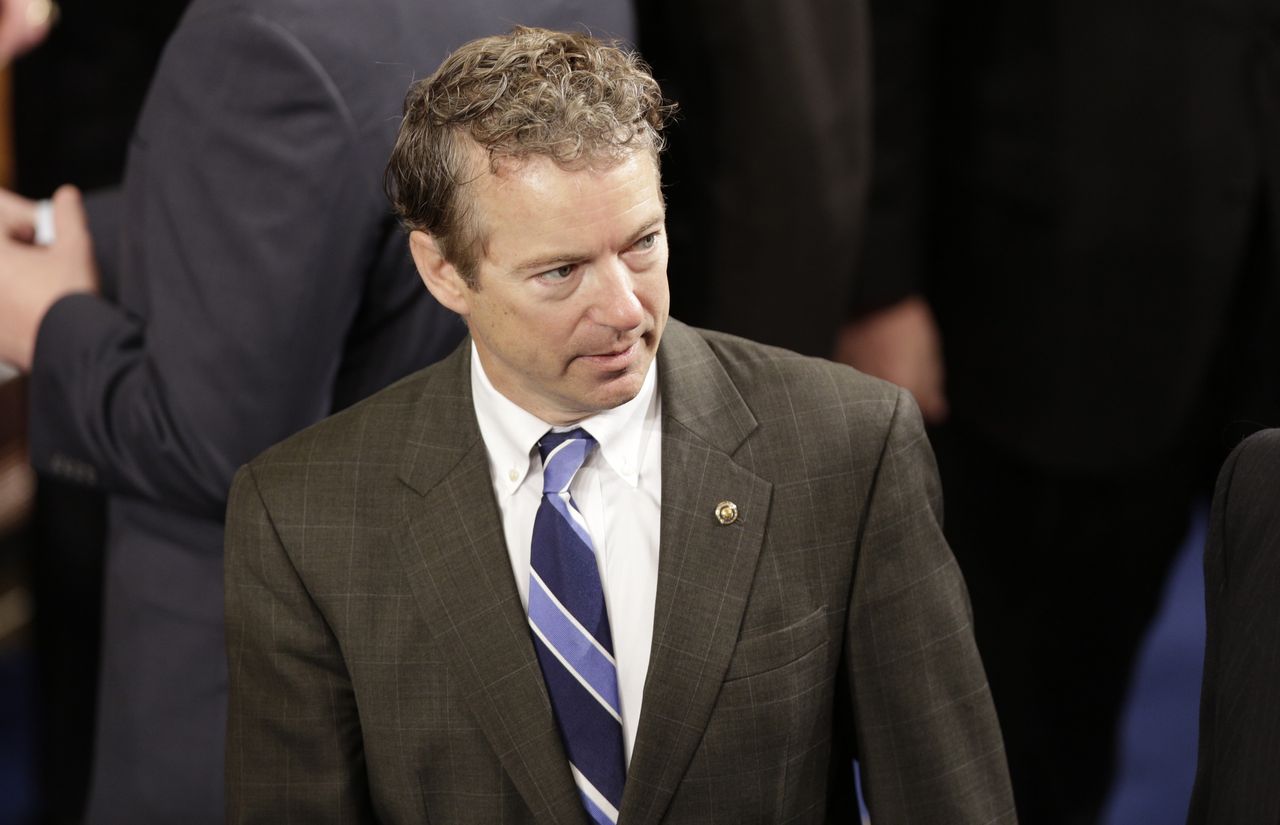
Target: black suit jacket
{"x": 260, "y": 285}
{"x": 1076, "y": 186}
{"x": 1240, "y": 700}
{"x": 769, "y": 161}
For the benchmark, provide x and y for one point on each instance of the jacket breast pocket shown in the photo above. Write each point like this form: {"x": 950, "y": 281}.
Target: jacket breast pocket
{"x": 779, "y": 648}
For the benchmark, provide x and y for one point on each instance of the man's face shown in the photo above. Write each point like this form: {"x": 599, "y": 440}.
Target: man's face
{"x": 570, "y": 296}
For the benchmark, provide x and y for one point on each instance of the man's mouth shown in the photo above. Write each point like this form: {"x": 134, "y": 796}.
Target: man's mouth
{"x": 615, "y": 358}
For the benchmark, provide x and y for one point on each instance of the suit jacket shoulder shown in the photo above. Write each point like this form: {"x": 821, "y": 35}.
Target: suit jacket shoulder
{"x": 815, "y": 400}
{"x": 1239, "y": 732}
{"x": 809, "y": 418}
{"x": 1247, "y": 490}
{"x": 376, "y": 439}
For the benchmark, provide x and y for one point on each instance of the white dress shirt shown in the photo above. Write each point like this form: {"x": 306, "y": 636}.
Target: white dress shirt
{"x": 619, "y": 493}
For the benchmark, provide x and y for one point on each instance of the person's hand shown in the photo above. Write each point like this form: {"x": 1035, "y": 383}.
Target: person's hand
{"x": 17, "y": 215}
{"x": 32, "y": 278}
{"x": 899, "y": 343}
{"x": 23, "y": 24}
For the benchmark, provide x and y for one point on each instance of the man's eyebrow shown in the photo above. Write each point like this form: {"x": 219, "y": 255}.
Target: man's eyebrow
{"x": 548, "y": 262}
{"x": 647, "y": 226}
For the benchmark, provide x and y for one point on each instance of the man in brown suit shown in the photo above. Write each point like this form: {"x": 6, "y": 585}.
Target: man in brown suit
{"x": 763, "y": 528}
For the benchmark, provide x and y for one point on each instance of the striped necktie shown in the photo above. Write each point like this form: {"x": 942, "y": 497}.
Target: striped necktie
{"x": 571, "y": 631}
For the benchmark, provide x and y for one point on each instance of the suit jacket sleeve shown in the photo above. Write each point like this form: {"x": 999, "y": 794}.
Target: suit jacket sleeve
{"x": 103, "y": 207}
{"x": 928, "y": 741}
{"x": 242, "y": 243}
{"x": 1239, "y": 728}
{"x": 294, "y": 748}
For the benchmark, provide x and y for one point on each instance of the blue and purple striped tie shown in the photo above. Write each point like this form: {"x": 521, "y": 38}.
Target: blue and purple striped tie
{"x": 571, "y": 631}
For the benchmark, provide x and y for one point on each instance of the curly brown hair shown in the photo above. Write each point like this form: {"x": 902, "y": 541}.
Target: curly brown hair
{"x": 564, "y": 95}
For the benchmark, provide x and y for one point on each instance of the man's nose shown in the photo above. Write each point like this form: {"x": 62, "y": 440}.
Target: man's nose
{"x": 617, "y": 304}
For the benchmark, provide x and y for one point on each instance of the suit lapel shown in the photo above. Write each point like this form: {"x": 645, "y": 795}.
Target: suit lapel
{"x": 705, "y": 568}
{"x": 454, "y": 556}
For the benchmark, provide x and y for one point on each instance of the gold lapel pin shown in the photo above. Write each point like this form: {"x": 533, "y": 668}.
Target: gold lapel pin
{"x": 726, "y": 512}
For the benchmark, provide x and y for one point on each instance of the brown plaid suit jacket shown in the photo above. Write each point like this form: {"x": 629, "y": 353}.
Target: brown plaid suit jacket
{"x": 381, "y": 666}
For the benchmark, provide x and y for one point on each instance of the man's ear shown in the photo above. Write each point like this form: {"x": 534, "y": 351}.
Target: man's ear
{"x": 440, "y": 276}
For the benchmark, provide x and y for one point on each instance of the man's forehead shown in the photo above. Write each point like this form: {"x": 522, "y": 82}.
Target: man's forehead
{"x": 501, "y": 194}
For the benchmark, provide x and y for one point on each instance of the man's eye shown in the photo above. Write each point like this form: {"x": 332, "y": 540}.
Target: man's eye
{"x": 646, "y": 242}
{"x": 557, "y": 274}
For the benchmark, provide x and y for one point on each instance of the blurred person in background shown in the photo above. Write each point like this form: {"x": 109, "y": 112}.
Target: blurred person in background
{"x": 1071, "y": 259}
{"x": 247, "y": 280}
{"x": 74, "y": 103}
{"x": 756, "y": 202}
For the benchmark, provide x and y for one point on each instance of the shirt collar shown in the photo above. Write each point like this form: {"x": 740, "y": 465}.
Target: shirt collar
{"x": 511, "y": 433}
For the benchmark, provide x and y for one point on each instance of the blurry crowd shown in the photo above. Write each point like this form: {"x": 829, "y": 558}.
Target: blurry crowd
{"x": 1056, "y": 223}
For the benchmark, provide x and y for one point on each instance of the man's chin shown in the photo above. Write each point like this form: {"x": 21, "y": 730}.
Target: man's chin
{"x": 616, "y": 391}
